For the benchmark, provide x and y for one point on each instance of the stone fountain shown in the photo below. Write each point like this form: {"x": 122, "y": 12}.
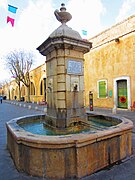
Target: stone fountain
{"x": 64, "y": 51}
{"x": 71, "y": 156}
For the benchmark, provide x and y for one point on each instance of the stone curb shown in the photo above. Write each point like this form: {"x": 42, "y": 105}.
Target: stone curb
{"x": 27, "y": 105}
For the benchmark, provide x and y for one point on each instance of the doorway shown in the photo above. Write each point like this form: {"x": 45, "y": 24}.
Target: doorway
{"x": 122, "y": 94}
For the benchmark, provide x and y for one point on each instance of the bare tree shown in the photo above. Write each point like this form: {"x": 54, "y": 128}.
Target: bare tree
{"x": 19, "y": 63}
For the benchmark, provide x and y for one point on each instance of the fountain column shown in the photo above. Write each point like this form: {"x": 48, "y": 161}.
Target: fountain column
{"x": 64, "y": 50}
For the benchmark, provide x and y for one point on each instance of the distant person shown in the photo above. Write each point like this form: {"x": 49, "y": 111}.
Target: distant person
{"x": 1, "y": 98}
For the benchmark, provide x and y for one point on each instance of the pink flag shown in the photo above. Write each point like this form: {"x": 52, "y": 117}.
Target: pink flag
{"x": 11, "y": 20}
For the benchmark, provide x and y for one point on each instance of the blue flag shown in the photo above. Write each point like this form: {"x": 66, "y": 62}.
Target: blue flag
{"x": 84, "y": 32}
{"x": 12, "y": 9}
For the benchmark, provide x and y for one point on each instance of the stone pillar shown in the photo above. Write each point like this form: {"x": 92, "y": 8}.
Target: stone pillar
{"x": 64, "y": 51}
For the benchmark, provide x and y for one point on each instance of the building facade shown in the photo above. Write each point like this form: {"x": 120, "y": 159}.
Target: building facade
{"x": 37, "y": 86}
{"x": 110, "y": 66}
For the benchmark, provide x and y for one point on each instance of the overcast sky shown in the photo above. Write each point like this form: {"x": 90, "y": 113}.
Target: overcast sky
{"x": 35, "y": 20}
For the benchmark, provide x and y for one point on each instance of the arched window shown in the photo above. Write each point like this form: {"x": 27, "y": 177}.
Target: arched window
{"x": 32, "y": 89}
{"x": 41, "y": 87}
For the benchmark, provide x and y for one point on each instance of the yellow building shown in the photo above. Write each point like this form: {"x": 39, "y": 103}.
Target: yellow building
{"x": 37, "y": 86}
{"x": 110, "y": 66}
{"x": 109, "y": 70}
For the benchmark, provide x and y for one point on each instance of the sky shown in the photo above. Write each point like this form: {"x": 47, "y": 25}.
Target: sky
{"x": 35, "y": 21}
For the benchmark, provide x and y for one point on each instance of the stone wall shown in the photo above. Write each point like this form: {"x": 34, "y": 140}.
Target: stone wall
{"x": 117, "y": 31}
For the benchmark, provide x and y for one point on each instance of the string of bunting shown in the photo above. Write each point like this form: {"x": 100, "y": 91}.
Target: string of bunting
{"x": 12, "y": 10}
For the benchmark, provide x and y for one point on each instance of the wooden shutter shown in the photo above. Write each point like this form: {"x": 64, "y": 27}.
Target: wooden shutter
{"x": 102, "y": 89}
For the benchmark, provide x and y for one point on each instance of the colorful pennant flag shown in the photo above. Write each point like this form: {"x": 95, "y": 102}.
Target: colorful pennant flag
{"x": 12, "y": 9}
{"x": 84, "y": 32}
{"x": 84, "y": 35}
{"x": 11, "y": 20}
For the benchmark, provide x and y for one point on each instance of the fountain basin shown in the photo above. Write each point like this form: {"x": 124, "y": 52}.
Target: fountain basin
{"x": 68, "y": 156}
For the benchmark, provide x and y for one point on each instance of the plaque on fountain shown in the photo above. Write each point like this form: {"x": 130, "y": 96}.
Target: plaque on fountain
{"x": 74, "y": 67}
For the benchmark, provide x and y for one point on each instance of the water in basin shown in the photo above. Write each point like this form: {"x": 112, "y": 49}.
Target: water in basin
{"x": 95, "y": 124}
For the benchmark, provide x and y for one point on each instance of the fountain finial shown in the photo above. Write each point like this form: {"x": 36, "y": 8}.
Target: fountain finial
{"x": 62, "y": 16}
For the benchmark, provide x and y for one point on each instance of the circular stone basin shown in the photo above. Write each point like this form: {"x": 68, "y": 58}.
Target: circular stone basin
{"x": 54, "y": 156}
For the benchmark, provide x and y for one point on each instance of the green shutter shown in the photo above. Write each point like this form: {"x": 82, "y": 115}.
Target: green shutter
{"x": 102, "y": 89}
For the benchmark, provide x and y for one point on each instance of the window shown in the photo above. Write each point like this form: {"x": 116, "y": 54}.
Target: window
{"x": 102, "y": 88}
{"x": 41, "y": 88}
{"x": 32, "y": 89}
